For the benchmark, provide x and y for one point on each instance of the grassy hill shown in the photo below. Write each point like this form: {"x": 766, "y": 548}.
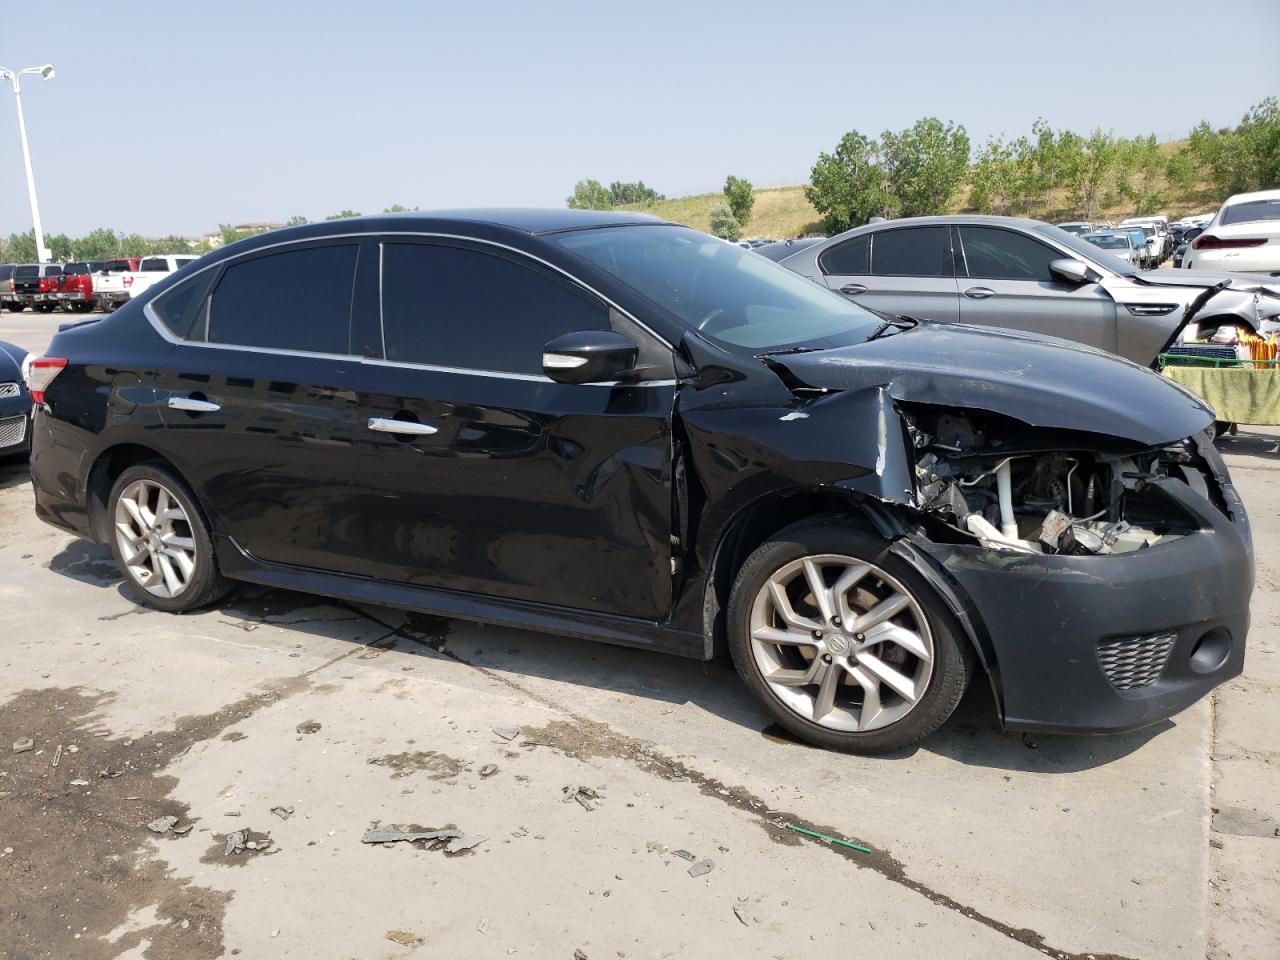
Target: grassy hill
{"x": 784, "y": 212}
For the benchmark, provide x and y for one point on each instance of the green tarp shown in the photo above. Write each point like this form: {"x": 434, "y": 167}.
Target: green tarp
{"x": 1237, "y": 394}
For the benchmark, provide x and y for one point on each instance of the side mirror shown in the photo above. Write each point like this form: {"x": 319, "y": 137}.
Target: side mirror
{"x": 1072, "y": 271}
{"x": 589, "y": 356}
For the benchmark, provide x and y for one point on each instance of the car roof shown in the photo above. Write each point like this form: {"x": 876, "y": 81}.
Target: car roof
{"x": 1248, "y": 197}
{"x": 532, "y": 220}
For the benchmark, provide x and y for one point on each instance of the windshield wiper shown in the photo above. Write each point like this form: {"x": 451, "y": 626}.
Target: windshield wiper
{"x": 786, "y": 350}
{"x": 900, "y": 322}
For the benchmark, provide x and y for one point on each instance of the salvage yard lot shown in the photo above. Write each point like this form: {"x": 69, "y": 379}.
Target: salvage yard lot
{"x": 984, "y": 844}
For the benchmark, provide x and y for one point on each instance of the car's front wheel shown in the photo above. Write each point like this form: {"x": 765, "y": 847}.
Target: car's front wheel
{"x": 160, "y": 540}
{"x": 845, "y": 644}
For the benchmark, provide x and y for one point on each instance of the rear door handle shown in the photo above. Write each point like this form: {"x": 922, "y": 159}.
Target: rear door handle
{"x": 979, "y": 293}
{"x": 853, "y": 289}
{"x": 387, "y": 425}
{"x": 193, "y": 405}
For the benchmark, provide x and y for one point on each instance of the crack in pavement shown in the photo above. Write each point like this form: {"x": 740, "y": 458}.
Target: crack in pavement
{"x": 582, "y": 737}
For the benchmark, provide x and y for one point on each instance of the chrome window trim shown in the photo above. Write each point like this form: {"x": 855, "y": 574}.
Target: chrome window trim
{"x": 164, "y": 332}
{"x": 377, "y": 237}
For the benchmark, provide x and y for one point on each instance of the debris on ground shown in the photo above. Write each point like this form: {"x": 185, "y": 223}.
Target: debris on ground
{"x": 57, "y": 755}
{"x": 77, "y": 782}
{"x": 483, "y": 926}
{"x": 737, "y": 912}
{"x": 109, "y": 773}
{"x": 586, "y": 796}
{"x": 162, "y": 824}
{"x": 308, "y": 726}
{"x": 827, "y": 838}
{"x": 284, "y": 813}
{"x": 183, "y": 830}
{"x": 404, "y": 938}
{"x": 451, "y": 839}
{"x": 684, "y": 855}
{"x": 1242, "y": 822}
{"x": 23, "y": 745}
{"x": 579, "y": 955}
{"x": 234, "y": 844}
{"x": 507, "y": 733}
{"x": 488, "y": 770}
{"x": 701, "y": 868}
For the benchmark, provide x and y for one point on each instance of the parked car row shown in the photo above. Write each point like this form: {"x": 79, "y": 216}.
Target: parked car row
{"x": 81, "y": 285}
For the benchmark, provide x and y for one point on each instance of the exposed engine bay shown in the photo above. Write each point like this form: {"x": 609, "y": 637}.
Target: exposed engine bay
{"x": 1018, "y": 489}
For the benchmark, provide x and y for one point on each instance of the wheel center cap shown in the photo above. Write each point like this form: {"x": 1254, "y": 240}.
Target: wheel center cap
{"x": 838, "y": 644}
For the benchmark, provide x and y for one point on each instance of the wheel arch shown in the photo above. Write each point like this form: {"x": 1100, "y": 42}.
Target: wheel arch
{"x": 106, "y": 467}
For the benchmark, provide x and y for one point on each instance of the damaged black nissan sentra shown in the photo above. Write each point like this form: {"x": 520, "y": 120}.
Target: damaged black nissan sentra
{"x": 607, "y": 426}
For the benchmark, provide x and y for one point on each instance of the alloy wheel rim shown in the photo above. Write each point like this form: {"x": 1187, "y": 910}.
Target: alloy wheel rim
{"x": 841, "y": 643}
{"x": 155, "y": 539}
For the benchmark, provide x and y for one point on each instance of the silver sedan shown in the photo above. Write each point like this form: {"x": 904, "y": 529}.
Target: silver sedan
{"x": 1028, "y": 275}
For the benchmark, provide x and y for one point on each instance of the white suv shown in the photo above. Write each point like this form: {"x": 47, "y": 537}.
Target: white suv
{"x": 1244, "y": 236}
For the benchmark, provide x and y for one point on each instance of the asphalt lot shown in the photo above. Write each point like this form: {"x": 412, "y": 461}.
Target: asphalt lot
{"x": 984, "y": 844}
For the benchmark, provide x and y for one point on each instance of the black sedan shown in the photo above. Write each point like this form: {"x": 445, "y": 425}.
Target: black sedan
{"x": 15, "y": 402}
{"x": 608, "y": 426}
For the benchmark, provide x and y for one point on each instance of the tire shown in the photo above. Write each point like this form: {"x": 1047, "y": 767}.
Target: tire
{"x": 152, "y": 578}
{"x": 925, "y": 691}
{"x": 45, "y": 307}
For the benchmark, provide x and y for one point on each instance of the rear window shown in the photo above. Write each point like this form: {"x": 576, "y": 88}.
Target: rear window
{"x": 297, "y": 300}
{"x": 118, "y": 266}
{"x": 1109, "y": 242}
{"x": 75, "y": 269}
{"x": 53, "y": 270}
{"x": 26, "y": 272}
{"x": 156, "y": 264}
{"x": 1251, "y": 211}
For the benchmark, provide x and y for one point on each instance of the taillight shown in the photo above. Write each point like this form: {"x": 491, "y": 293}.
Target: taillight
{"x": 38, "y": 372}
{"x": 1207, "y": 241}
{"x": 128, "y": 281}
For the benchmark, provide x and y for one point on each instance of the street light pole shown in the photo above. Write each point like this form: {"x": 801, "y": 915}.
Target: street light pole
{"x": 43, "y": 253}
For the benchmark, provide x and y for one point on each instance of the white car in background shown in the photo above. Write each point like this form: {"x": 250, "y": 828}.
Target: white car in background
{"x": 1244, "y": 237}
{"x": 112, "y": 288}
{"x": 1162, "y": 246}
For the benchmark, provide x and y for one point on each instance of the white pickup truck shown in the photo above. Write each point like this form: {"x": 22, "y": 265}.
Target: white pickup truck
{"x": 113, "y": 287}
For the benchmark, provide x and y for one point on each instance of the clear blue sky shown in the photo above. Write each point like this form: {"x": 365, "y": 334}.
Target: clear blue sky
{"x": 173, "y": 116}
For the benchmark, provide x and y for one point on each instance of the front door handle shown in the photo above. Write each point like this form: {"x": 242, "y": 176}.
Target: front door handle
{"x": 387, "y": 425}
{"x": 193, "y": 405}
{"x": 979, "y": 293}
{"x": 853, "y": 289}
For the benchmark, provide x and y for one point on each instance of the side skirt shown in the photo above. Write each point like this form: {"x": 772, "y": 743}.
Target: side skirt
{"x": 237, "y": 564}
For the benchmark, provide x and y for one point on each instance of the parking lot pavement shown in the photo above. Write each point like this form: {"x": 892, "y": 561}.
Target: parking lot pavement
{"x": 983, "y": 843}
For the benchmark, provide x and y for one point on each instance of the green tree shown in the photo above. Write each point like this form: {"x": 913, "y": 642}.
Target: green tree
{"x": 60, "y": 247}
{"x": 397, "y": 208}
{"x": 22, "y": 247}
{"x": 230, "y": 234}
{"x": 741, "y": 197}
{"x": 296, "y": 221}
{"x": 343, "y": 215}
{"x": 1086, "y": 165}
{"x": 134, "y": 245}
{"x": 170, "y": 244}
{"x": 1180, "y": 171}
{"x": 1243, "y": 158}
{"x": 623, "y": 193}
{"x": 993, "y": 178}
{"x": 589, "y": 195}
{"x": 97, "y": 245}
{"x": 847, "y": 187}
{"x": 723, "y": 223}
{"x": 924, "y": 165}
{"x": 1144, "y": 187}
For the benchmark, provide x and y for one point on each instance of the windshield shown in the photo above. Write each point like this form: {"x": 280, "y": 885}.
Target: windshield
{"x": 1109, "y": 241}
{"x": 1251, "y": 210}
{"x": 1086, "y": 249}
{"x": 1076, "y": 228}
{"x": 731, "y": 295}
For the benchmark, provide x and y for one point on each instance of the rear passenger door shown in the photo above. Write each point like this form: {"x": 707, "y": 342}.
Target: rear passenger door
{"x": 259, "y": 401}
{"x": 903, "y": 270}
{"x": 503, "y": 482}
{"x": 1006, "y": 282}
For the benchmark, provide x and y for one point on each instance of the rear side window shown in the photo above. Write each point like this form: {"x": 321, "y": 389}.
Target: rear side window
{"x": 155, "y": 264}
{"x": 851, "y": 257}
{"x": 993, "y": 254}
{"x": 6, "y": 272}
{"x": 913, "y": 252}
{"x": 184, "y": 309}
{"x": 455, "y": 307}
{"x": 297, "y": 300}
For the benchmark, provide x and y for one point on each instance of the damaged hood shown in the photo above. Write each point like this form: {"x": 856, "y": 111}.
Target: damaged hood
{"x": 1041, "y": 381}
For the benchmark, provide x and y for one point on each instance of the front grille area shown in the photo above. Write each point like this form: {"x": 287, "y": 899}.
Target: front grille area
{"x": 1131, "y": 662}
{"x": 12, "y": 431}
{"x": 9, "y": 390}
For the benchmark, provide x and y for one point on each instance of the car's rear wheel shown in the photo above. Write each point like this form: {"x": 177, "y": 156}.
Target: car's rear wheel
{"x": 845, "y": 644}
{"x": 15, "y": 307}
{"x": 160, "y": 540}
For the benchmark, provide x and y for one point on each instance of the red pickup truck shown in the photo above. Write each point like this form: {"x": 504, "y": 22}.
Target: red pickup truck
{"x": 75, "y": 290}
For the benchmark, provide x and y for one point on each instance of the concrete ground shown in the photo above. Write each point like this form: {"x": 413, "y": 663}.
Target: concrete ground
{"x": 303, "y": 723}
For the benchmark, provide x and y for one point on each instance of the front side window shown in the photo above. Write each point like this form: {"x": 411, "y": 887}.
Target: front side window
{"x": 994, "y": 254}
{"x": 458, "y": 307}
{"x": 296, "y": 300}
{"x": 913, "y": 252}
{"x": 733, "y": 296}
